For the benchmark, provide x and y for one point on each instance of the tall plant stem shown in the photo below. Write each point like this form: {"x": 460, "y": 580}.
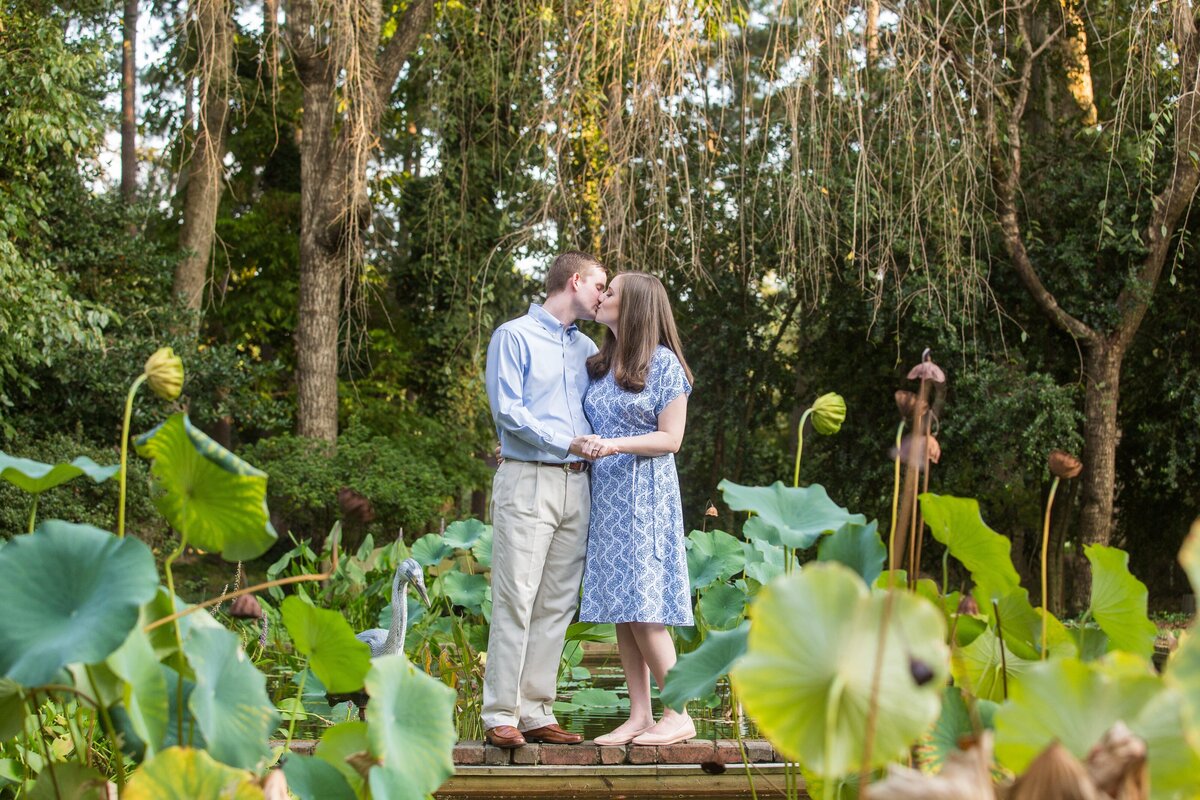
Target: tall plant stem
{"x": 178, "y": 634}
{"x": 33, "y": 512}
{"x": 735, "y": 714}
{"x": 287, "y": 746}
{"x": 1045, "y": 559}
{"x": 895, "y": 510}
{"x": 917, "y": 511}
{"x": 42, "y": 741}
{"x": 125, "y": 452}
{"x": 111, "y": 732}
{"x": 800, "y": 445}
{"x": 1003, "y": 658}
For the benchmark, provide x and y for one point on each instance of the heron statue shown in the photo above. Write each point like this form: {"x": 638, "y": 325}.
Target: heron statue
{"x": 389, "y": 641}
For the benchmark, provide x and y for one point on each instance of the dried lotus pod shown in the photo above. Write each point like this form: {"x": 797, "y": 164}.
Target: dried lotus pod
{"x": 246, "y": 606}
{"x": 907, "y": 402}
{"x": 927, "y": 370}
{"x": 1064, "y": 465}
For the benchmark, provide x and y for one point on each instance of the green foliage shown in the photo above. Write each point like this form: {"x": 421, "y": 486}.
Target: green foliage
{"x": 186, "y": 774}
{"x": 857, "y": 546}
{"x": 337, "y": 658}
{"x": 695, "y": 674}
{"x": 1119, "y": 602}
{"x": 793, "y": 517}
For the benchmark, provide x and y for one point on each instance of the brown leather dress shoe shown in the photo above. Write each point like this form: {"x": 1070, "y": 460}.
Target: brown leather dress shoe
{"x": 553, "y": 734}
{"x": 505, "y": 736}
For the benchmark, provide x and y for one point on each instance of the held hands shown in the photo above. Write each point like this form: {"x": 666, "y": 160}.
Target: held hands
{"x": 592, "y": 447}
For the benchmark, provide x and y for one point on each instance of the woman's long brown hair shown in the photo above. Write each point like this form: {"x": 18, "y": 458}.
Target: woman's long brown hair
{"x": 644, "y": 321}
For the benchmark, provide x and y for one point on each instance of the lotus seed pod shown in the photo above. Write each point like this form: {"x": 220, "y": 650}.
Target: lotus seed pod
{"x": 1064, "y": 465}
{"x": 246, "y": 607}
{"x": 927, "y": 370}
{"x": 828, "y": 414}
{"x": 164, "y": 373}
{"x": 906, "y": 403}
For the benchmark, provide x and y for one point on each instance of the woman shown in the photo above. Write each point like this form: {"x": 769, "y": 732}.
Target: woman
{"x": 636, "y": 570}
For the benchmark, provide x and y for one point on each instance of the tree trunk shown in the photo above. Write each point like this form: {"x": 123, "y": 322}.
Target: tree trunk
{"x": 128, "y": 100}
{"x": 206, "y": 170}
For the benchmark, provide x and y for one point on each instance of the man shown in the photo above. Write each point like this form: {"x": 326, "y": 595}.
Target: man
{"x": 541, "y": 499}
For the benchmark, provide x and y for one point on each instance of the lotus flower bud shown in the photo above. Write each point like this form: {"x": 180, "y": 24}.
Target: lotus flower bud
{"x": 164, "y": 373}
{"x": 1064, "y": 465}
{"x": 828, "y": 414}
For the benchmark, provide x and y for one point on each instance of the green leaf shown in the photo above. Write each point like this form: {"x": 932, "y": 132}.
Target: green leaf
{"x": 313, "y": 779}
{"x": 808, "y": 674}
{"x": 12, "y": 709}
{"x": 338, "y": 744}
{"x": 712, "y": 556}
{"x": 796, "y": 516}
{"x": 339, "y": 659}
{"x": 145, "y": 689}
{"x": 230, "y": 700}
{"x": 857, "y": 546}
{"x": 35, "y": 477}
{"x": 212, "y": 497}
{"x": 482, "y": 549}
{"x": 185, "y": 774}
{"x": 1183, "y": 675}
{"x": 468, "y": 591}
{"x": 1021, "y": 625}
{"x": 1072, "y": 702}
{"x": 70, "y": 593}
{"x": 411, "y": 728}
{"x": 591, "y": 632}
{"x": 431, "y": 549}
{"x": 722, "y": 606}
{"x": 956, "y": 523}
{"x": 1174, "y": 762}
{"x": 980, "y": 668}
{"x": 464, "y": 533}
{"x": 953, "y": 724}
{"x": 695, "y": 674}
{"x": 598, "y": 698}
{"x": 70, "y": 781}
{"x": 764, "y": 561}
{"x": 1119, "y": 601}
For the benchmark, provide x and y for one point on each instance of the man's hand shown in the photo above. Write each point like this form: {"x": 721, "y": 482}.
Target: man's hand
{"x": 592, "y": 447}
{"x": 580, "y": 444}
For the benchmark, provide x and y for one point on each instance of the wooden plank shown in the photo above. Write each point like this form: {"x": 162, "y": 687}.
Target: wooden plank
{"x": 650, "y": 780}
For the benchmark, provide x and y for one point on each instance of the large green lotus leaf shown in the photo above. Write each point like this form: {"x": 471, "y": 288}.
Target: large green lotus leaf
{"x": 598, "y": 698}
{"x": 712, "y": 556}
{"x": 145, "y": 689}
{"x": 808, "y": 674}
{"x": 12, "y": 709}
{"x": 591, "y": 632}
{"x": 468, "y": 591}
{"x": 464, "y": 533}
{"x": 313, "y": 779}
{"x": 482, "y": 549}
{"x": 35, "y": 477}
{"x": 798, "y": 515}
{"x": 230, "y": 700}
{"x": 857, "y": 546}
{"x": 1189, "y": 556}
{"x": 764, "y": 561}
{"x": 162, "y": 638}
{"x": 953, "y": 724}
{"x": 339, "y": 744}
{"x": 411, "y": 728}
{"x": 208, "y": 494}
{"x": 1021, "y": 625}
{"x": 338, "y": 658}
{"x": 1072, "y": 702}
{"x": 70, "y": 593}
{"x": 1174, "y": 763}
{"x": 431, "y": 549}
{"x": 844, "y": 787}
{"x": 981, "y": 669}
{"x": 70, "y": 781}
{"x": 695, "y": 674}
{"x": 175, "y": 727}
{"x": 1119, "y": 601}
{"x": 1090, "y": 641}
{"x": 956, "y": 523}
{"x": 1183, "y": 674}
{"x": 185, "y": 774}
{"x": 722, "y": 606}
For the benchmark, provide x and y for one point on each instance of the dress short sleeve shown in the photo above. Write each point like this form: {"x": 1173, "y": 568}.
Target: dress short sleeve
{"x": 670, "y": 381}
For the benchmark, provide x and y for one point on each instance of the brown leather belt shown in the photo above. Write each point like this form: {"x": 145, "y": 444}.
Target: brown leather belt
{"x": 569, "y": 466}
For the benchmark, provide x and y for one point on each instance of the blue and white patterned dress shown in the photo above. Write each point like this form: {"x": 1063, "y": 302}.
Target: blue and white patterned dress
{"x": 636, "y": 568}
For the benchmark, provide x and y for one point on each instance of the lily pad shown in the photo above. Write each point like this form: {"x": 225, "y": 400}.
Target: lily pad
{"x": 598, "y": 698}
{"x": 464, "y": 533}
{"x": 712, "y": 556}
{"x": 431, "y": 549}
{"x": 796, "y": 516}
{"x": 214, "y": 498}
{"x": 957, "y": 523}
{"x": 185, "y": 774}
{"x": 695, "y": 674}
{"x": 857, "y": 546}
{"x": 411, "y": 728}
{"x": 34, "y": 477}
{"x": 230, "y": 700}
{"x": 1119, "y": 601}
{"x": 482, "y": 549}
{"x": 70, "y": 593}
{"x": 722, "y": 606}
{"x": 468, "y": 591}
{"x": 807, "y": 678}
{"x": 337, "y": 658}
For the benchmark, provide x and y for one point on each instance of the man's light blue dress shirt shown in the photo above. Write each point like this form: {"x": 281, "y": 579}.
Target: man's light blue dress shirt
{"x": 536, "y": 378}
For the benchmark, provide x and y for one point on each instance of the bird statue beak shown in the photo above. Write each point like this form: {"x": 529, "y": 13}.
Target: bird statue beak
{"x": 422, "y": 593}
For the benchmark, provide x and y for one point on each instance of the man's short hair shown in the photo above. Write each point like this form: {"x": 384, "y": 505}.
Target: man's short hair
{"x": 565, "y": 266}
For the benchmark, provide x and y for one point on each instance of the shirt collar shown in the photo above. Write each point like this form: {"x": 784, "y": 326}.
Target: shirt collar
{"x": 549, "y": 322}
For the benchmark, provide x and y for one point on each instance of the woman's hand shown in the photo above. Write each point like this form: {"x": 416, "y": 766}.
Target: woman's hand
{"x": 600, "y": 448}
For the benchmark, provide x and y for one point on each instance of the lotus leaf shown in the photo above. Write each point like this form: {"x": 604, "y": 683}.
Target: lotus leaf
{"x": 695, "y": 674}
{"x": 808, "y": 674}
{"x": 415, "y": 612}
{"x": 1174, "y": 762}
{"x": 12, "y": 709}
{"x": 857, "y": 546}
{"x": 764, "y": 561}
{"x": 1072, "y": 702}
{"x": 212, "y": 497}
{"x": 468, "y": 591}
{"x": 981, "y": 669}
{"x": 70, "y": 593}
{"x": 1183, "y": 674}
{"x": 797, "y": 515}
{"x": 230, "y": 700}
{"x": 464, "y": 533}
{"x": 35, "y": 477}
{"x": 431, "y": 549}
{"x": 957, "y": 523}
{"x": 339, "y": 745}
{"x": 712, "y": 556}
{"x": 185, "y": 774}
{"x": 314, "y": 779}
{"x": 411, "y": 728}
{"x": 70, "y": 781}
{"x": 598, "y": 698}
{"x": 591, "y": 632}
{"x": 145, "y": 689}
{"x": 722, "y": 606}
{"x": 339, "y": 659}
{"x": 1021, "y": 625}
{"x": 1119, "y": 601}
{"x": 953, "y": 724}
{"x": 482, "y": 549}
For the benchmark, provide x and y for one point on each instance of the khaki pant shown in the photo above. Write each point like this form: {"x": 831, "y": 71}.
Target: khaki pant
{"x": 539, "y": 523}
